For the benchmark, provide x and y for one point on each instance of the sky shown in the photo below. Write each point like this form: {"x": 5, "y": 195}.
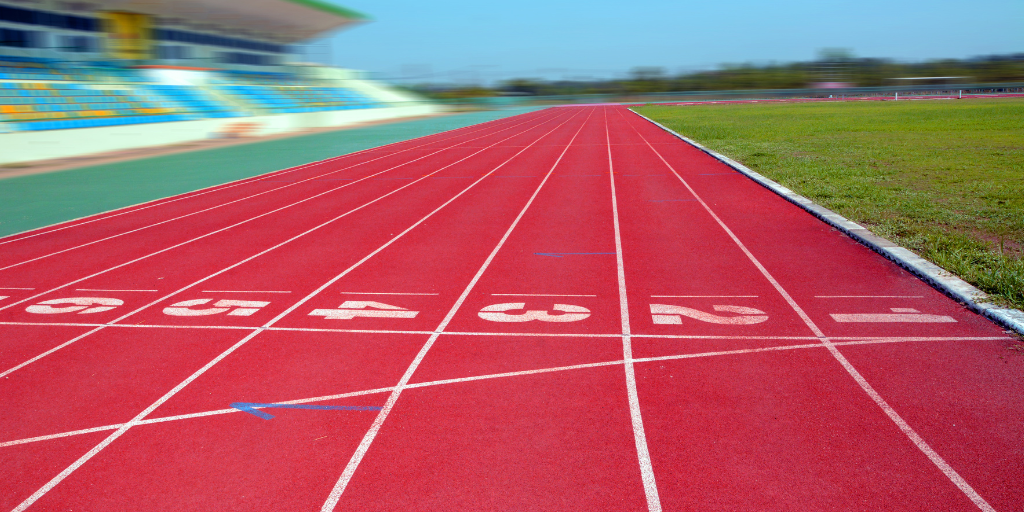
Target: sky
{"x": 463, "y": 41}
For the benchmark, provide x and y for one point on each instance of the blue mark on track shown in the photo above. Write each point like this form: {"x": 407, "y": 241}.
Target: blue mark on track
{"x": 252, "y": 408}
{"x": 560, "y": 254}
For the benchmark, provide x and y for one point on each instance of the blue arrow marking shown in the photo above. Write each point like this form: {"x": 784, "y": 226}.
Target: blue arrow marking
{"x": 560, "y": 254}
{"x": 254, "y": 408}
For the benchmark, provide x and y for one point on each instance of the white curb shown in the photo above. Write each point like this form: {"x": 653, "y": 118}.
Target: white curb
{"x": 929, "y": 272}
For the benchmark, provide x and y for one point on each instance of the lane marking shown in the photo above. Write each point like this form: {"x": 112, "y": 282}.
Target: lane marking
{"x": 560, "y": 254}
{"x": 704, "y": 296}
{"x": 525, "y": 334}
{"x": 903, "y": 315}
{"x": 244, "y": 291}
{"x": 80, "y": 305}
{"x": 639, "y": 436}
{"x": 905, "y": 427}
{"x": 869, "y": 296}
{"x": 459, "y": 380}
{"x": 667, "y": 314}
{"x": 17, "y": 288}
{"x": 114, "y": 291}
{"x": 371, "y": 434}
{"x": 384, "y": 293}
{"x": 142, "y": 415}
{"x": 254, "y": 408}
{"x": 243, "y": 181}
{"x": 237, "y": 307}
{"x": 499, "y": 313}
{"x": 538, "y": 295}
{"x": 353, "y": 308}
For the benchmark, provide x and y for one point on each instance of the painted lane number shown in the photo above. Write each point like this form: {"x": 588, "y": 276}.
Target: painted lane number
{"x": 898, "y": 315}
{"x": 80, "y": 305}
{"x": 500, "y": 313}
{"x": 665, "y": 314}
{"x": 358, "y": 308}
{"x": 237, "y": 307}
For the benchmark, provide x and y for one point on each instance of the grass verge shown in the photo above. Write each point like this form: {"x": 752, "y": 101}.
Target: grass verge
{"x": 942, "y": 178}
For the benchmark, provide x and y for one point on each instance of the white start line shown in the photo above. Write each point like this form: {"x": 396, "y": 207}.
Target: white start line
{"x": 510, "y": 312}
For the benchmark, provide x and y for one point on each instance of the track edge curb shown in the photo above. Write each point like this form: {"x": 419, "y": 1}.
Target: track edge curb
{"x": 935, "y": 276}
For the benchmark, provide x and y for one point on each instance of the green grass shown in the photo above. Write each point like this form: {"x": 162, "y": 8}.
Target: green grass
{"x": 942, "y": 178}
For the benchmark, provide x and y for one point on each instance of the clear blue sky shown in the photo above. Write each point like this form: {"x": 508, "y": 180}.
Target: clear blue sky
{"x": 463, "y": 40}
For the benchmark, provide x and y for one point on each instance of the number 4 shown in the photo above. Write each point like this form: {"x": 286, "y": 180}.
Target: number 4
{"x": 353, "y": 308}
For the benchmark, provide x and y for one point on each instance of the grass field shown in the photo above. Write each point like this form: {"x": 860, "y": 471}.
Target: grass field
{"x": 943, "y": 178}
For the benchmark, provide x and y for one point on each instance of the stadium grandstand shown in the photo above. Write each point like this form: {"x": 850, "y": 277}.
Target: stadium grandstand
{"x": 80, "y": 77}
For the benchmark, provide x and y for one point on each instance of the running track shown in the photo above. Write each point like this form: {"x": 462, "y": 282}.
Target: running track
{"x": 564, "y": 310}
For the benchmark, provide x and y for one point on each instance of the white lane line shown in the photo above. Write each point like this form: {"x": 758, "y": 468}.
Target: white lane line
{"x": 244, "y": 291}
{"x": 459, "y": 380}
{"x": 112, "y": 291}
{"x": 255, "y": 218}
{"x": 904, "y": 427}
{"x": 639, "y": 436}
{"x": 869, "y": 296}
{"x": 704, "y": 296}
{"x": 506, "y": 334}
{"x": 142, "y": 415}
{"x": 17, "y": 288}
{"x": 384, "y": 293}
{"x": 231, "y": 184}
{"x": 538, "y": 295}
{"x": 236, "y": 201}
{"x": 371, "y": 434}
{"x": 115, "y": 321}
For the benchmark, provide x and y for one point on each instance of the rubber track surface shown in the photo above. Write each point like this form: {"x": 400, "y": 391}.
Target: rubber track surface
{"x": 568, "y": 309}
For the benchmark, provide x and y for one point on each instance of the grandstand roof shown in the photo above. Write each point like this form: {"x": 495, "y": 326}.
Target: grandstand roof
{"x": 289, "y": 20}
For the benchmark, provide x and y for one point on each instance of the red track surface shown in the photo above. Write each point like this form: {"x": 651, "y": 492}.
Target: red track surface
{"x": 594, "y": 316}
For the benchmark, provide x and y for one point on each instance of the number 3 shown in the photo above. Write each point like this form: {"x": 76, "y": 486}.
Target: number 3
{"x": 496, "y": 313}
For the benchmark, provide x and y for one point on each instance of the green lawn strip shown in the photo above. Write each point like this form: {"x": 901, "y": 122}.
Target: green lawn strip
{"x": 944, "y": 179}
{"x": 29, "y": 202}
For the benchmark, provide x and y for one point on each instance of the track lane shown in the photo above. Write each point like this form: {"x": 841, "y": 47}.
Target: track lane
{"x": 397, "y": 146}
{"x": 281, "y": 186}
{"x": 280, "y": 365}
{"x": 145, "y": 413}
{"x": 883, "y": 438}
{"x": 186, "y": 274}
{"x": 569, "y": 214}
{"x": 920, "y": 381}
{"x": 349, "y": 471}
{"x": 38, "y": 277}
{"x": 779, "y": 391}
